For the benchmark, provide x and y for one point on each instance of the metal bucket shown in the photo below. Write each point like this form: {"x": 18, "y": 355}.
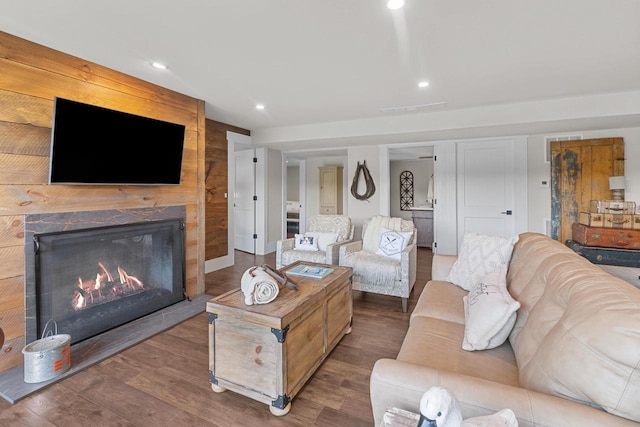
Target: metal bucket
{"x": 47, "y": 358}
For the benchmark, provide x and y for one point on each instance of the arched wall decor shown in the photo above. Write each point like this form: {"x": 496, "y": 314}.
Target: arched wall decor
{"x": 406, "y": 190}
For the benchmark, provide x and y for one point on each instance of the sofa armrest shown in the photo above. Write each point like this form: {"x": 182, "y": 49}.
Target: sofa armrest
{"x": 409, "y": 264}
{"x": 353, "y": 246}
{"x": 441, "y": 266}
{"x": 333, "y": 251}
{"x": 401, "y": 385}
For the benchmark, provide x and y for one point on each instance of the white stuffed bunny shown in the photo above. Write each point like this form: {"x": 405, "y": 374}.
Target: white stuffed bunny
{"x": 440, "y": 408}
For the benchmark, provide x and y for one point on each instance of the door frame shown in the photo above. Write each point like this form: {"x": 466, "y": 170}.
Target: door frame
{"x": 302, "y": 193}
{"x": 245, "y": 156}
{"x": 229, "y": 259}
{"x": 520, "y": 191}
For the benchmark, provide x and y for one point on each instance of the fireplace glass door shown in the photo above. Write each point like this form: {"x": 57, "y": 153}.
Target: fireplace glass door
{"x": 91, "y": 280}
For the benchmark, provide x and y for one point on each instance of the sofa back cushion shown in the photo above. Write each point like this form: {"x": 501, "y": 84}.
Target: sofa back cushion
{"x": 578, "y": 329}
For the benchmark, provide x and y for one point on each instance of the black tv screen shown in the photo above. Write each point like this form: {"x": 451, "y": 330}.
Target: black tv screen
{"x": 95, "y": 145}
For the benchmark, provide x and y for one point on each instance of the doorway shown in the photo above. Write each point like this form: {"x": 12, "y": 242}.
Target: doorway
{"x": 295, "y": 183}
{"x": 459, "y": 167}
{"x": 244, "y": 201}
{"x": 492, "y": 186}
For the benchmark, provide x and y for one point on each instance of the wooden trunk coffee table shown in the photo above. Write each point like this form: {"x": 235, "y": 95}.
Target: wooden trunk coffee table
{"x": 268, "y": 351}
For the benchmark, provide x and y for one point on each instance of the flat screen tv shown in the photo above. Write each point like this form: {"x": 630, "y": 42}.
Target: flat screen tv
{"x": 95, "y": 145}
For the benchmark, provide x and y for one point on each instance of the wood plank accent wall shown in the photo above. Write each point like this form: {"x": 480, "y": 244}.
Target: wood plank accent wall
{"x": 32, "y": 75}
{"x": 216, "y": 172}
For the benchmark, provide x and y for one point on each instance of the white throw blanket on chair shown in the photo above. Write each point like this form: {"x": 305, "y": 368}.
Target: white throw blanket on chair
{"x": 371, "y": 267}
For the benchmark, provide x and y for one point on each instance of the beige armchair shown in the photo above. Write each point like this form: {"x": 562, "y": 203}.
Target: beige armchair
{"x": 380, "y": 264}
{"x": 340, "y": 225}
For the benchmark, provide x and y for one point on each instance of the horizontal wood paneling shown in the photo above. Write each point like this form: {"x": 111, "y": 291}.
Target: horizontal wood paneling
{"x": 12, "y": 264}
{"x": 12, "y": 322}
{"x": 25, "y": 109}
{"x": 13, "y": 294}
{"x": 11, "y": 354}
{"x": 32, "y": 76}
{"x": 41, "y": 83}
{"x": 14, "y": 167}
{"x": 25, "y": 52}
{"x": 11, "y": 231}
{"x": 16, "y": 138}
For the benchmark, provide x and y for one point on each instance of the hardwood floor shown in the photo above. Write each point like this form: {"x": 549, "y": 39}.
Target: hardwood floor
{"x": 163, "y": 381}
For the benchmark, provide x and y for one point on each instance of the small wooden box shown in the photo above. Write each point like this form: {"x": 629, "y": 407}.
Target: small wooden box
{"x": 605, "y": 237}
{"x": 267, "y": 352}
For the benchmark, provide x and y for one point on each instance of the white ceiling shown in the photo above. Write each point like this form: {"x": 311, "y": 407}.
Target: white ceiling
{"x": 324, "y": 69}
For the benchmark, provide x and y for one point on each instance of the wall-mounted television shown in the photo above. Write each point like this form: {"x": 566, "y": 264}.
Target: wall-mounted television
{"x": 96, "y": 145}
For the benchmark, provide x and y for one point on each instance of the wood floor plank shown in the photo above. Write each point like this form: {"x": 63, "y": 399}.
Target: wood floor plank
{"x": 163, "y": 380}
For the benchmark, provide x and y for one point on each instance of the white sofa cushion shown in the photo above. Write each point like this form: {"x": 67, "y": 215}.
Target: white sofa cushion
{"x": 323, "y": 238}
{"x": 479, "y": 255}
{"x": 489, "y": 312}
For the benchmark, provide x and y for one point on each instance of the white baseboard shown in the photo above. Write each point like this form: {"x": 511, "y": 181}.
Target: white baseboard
{"x": 218, "y": 263}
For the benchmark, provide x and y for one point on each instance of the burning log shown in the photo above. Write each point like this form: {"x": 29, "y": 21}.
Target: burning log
{"x": 128, "y": 280}
{"x": 104, "y": 287}
{"x": 109, "y": 276}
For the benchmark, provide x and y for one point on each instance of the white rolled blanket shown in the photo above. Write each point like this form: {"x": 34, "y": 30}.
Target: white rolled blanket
{"x": 258, "y": 286}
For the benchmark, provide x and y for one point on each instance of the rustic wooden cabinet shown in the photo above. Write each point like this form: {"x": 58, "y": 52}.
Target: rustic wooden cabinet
{"x": 580, "y": 172}
{"x": 331, "y": 190}
{"x": 267, "y": 352}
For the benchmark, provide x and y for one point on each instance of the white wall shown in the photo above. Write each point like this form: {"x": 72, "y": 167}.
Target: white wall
{"x": 539, "y": 170}
{"x": 422, "y": 170}
{"x": 539, "y": 200}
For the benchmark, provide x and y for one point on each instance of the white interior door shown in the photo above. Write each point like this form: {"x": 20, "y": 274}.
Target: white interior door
{"x": 244, "y": 205}
{"x": 492, "y": 186}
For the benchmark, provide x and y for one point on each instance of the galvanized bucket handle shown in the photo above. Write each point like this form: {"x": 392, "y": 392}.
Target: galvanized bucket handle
{"x": 50, "y": 333}
{"x": 46, "y": 334}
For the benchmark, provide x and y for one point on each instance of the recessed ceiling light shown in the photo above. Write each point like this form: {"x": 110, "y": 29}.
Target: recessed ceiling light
{"x": 159, "y": 65}
{"x": 423, "y": 84}
{"x": 260, "y": 107}
{"x": 395, "y": 4}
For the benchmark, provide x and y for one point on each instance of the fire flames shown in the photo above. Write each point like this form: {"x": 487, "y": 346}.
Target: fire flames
{"x": 104, "y": 287}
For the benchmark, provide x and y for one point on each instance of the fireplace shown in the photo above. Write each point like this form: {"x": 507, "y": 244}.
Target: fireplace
{"x": 90, "y": 280}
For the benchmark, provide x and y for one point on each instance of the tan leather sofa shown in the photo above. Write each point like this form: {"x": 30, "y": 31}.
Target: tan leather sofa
{"x": 574, "y": 349}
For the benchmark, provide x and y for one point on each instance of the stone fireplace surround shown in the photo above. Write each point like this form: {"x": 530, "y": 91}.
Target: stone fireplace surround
{"x": 95, "y": 349}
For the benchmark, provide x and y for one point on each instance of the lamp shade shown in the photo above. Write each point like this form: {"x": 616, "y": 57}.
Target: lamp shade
{"x": 616, "y": 183}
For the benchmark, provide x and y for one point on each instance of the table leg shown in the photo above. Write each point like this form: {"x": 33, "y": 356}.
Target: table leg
{"x": 280, "y": 412}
